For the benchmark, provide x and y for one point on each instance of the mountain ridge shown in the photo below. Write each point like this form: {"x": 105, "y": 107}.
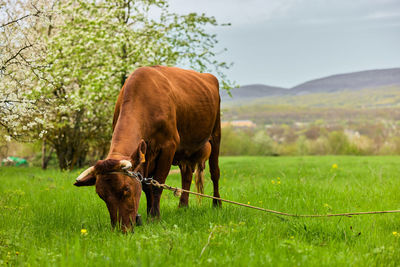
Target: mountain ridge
{"x": 351, "y": 81}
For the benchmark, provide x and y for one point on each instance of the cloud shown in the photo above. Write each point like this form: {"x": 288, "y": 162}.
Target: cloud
{"x": 240, "y": 12}
{"x": 384, "y": 15}
{"x": 285, "y": 42}
{"x": 236, "y": 11}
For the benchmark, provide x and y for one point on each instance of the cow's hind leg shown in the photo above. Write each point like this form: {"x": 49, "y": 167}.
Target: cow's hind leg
{"x": 213, "y": 161}
{"x": 187, "y": 175}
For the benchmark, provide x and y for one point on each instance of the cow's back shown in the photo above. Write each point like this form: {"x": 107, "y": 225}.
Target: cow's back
{"x": 196, "y": 98}
{"x": 188, "y": 99}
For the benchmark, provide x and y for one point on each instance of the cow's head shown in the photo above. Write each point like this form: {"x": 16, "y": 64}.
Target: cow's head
{"x": 120, "y": 192}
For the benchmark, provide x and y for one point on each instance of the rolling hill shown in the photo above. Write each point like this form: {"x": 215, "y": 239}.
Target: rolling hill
{"x": 385, "y": 81}
{"x": 350, "y": 81}
{"x": 252, "y": 91}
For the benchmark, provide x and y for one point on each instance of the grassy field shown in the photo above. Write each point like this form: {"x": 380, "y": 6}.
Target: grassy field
{"x": 42, "y": 214}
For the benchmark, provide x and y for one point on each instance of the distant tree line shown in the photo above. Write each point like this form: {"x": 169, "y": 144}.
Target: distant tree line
{"x": 373, "y": 138}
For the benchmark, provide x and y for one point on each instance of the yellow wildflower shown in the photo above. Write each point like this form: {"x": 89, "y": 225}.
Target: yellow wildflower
{"x": 248, "y": 202}
{"x": 17, "y": 253}
{"x": 334, "y": 166}
{"x": 327, "y": 205}
{"x": 278, "y": 178}
{"x": 273, "y": 181}
{"x": 396, "y": 234}
{"x": 84, "y": 232}
{"x": 279, "y": 182}
{"x": 291, "y": 237}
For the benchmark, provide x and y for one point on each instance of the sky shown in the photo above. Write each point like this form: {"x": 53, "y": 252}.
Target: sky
{"x": 287, "y": 42}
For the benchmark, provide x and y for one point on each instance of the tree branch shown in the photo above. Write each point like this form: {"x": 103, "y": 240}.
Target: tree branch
{"x": 15, "y": 55}
{"x": 14, "y": 21}
{"x": 21, "y": 18}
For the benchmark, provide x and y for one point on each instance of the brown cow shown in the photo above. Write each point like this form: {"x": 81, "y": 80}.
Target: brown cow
{"x": 163, "y": 116}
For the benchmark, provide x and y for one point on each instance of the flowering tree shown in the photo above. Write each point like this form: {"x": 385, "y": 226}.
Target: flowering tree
{"x": 62, "y": 87}
{"x": 21, "y": 51}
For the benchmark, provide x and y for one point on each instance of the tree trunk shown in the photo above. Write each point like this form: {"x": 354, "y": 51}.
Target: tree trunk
{"x": 70, "y": 156}
{"x": 62, "y": 162}
{"x": 46, "y": 157}
{"x": 44, "y": 161}
{"x": 71, "y": 145}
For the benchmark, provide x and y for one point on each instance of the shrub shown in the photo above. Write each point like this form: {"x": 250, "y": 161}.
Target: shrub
{"x": 338, "y": 143}
{"x": 303, "y": 146}
{"x": 262, "y": 144}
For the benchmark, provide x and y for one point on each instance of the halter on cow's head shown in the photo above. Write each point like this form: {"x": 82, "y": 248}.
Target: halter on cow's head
{"x": 120, "y": 192}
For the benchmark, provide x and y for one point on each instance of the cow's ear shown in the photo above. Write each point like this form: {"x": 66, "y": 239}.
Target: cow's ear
{"x": 142, "y": 151}
{"x": 86, "y": 181}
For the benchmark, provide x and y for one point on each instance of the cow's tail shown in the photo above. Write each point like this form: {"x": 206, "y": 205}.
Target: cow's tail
{"x": 199, "y": 178}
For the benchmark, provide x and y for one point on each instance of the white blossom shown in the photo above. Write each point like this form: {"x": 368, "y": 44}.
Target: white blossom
{"x": 76, "y": 55}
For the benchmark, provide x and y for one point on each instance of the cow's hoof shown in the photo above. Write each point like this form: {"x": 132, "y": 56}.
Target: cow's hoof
{"x": 217, "y": 203}
{"x": 139, "y": 221}
{"x": 183, "y": 205}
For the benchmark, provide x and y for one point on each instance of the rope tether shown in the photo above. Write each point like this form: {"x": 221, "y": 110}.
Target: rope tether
{"x": 177, "y": 191}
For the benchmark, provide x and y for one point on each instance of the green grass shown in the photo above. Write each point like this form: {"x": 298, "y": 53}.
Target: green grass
{"x": 42, "y": 214}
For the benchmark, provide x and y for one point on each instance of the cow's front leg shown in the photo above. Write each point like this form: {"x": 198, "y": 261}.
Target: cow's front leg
{"x": 149, "y": 196}
{"x": 163, "y": 166}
